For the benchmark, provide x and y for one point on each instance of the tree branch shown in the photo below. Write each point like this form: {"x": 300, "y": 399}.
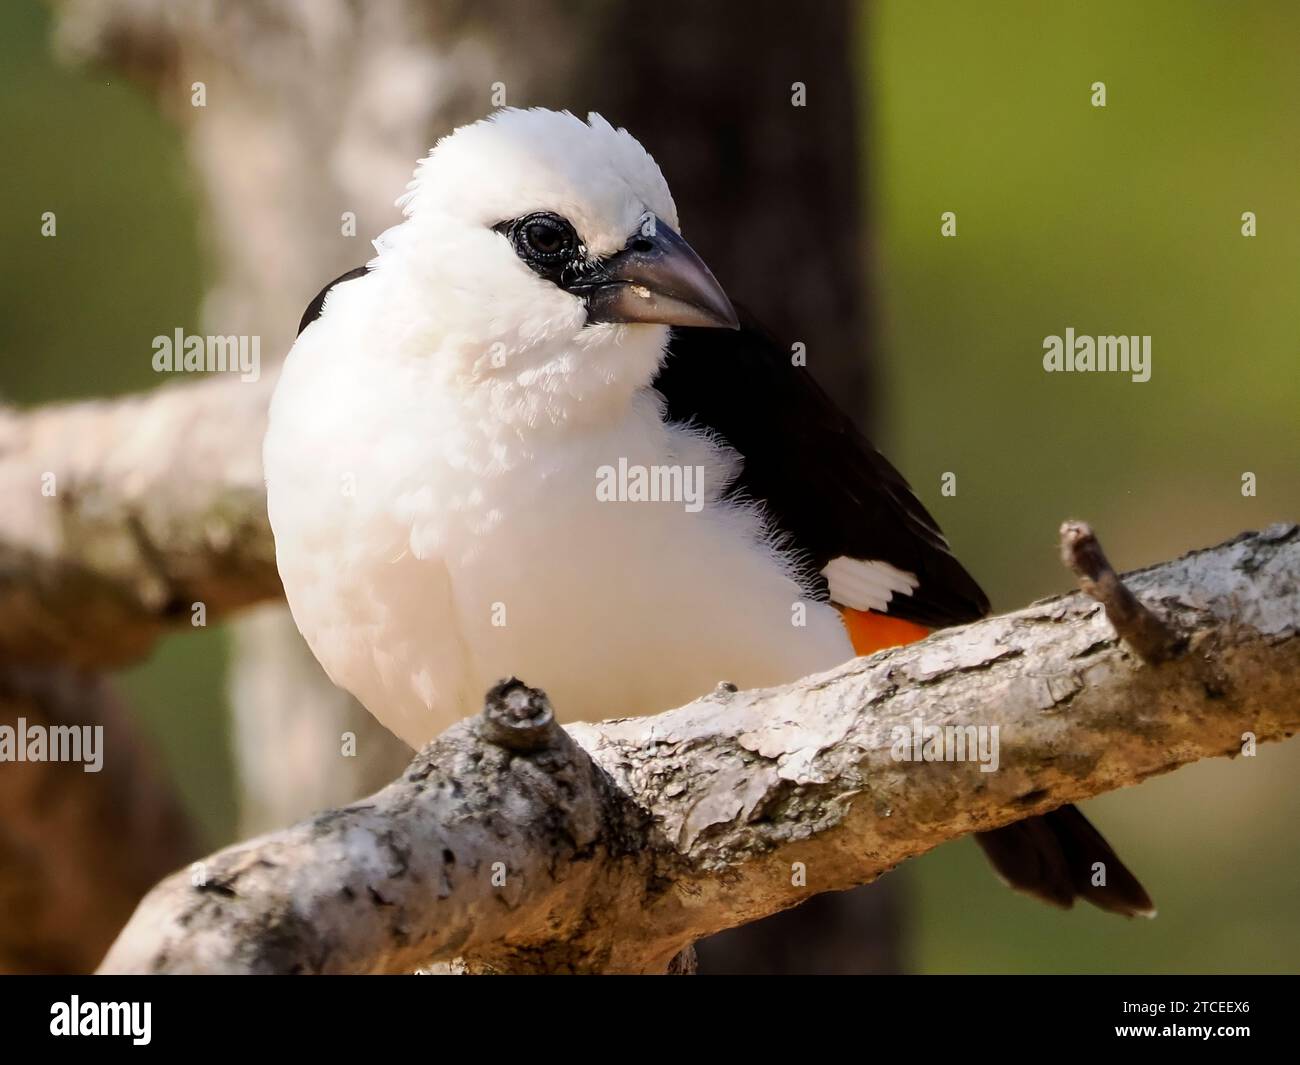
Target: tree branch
{"x": 520, "y": 846}
{"x": 1150, "y": 636}
{"x": 122, "y": 514}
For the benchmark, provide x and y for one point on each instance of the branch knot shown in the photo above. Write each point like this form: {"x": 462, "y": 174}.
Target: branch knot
{"x": 518, "y": 718}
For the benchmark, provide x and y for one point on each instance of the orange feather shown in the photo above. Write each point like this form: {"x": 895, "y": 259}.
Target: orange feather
{"x": 871, "y": 632}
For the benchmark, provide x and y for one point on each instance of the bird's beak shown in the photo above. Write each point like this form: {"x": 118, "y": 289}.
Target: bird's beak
{"x": 657, "y": 277}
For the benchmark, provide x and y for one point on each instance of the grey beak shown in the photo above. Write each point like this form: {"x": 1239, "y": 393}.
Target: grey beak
{"x": 657, "y": 278}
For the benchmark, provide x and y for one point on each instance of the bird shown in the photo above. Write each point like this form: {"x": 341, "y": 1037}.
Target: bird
{"x": 534, "y": 437}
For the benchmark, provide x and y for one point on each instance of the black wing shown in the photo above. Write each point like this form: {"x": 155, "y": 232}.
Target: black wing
{"x": 826, "y": 488}
{"x": 833, "y": 494}
{"x": 318, "y": 304}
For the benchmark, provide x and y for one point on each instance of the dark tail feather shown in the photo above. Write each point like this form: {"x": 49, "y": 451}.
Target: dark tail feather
{"x": 1052, "y": 857}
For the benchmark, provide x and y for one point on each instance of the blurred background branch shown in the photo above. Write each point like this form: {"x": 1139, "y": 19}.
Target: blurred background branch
{"x": 144, "y": 509}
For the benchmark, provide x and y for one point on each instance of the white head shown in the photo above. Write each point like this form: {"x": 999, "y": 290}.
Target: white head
{"x": 540, "y": 260}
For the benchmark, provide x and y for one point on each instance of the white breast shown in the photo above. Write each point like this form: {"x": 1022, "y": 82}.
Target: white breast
{"x": 624, "y": 607}
{"x": 427, "y": 551}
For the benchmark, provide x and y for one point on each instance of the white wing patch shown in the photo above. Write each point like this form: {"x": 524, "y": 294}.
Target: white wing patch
{"x": 866, "y": 585}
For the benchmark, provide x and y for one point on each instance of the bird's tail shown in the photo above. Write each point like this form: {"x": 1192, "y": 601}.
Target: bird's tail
{"x": 1059, "y": 857}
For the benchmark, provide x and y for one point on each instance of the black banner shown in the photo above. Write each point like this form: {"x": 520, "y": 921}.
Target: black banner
{"x": 1234, "y": 1015}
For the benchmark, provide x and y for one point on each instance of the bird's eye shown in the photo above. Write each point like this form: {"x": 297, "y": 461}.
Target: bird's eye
{"x": 545, "y": 239}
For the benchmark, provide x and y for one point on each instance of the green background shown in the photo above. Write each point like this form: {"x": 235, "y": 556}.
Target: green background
{"x": 1124, "y": 219}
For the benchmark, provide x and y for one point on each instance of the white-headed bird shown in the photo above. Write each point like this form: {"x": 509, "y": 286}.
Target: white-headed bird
{"x": 533, "y": 437}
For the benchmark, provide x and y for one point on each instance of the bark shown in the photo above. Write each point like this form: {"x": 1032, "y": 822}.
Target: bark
{"x": 519, "y": 846}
